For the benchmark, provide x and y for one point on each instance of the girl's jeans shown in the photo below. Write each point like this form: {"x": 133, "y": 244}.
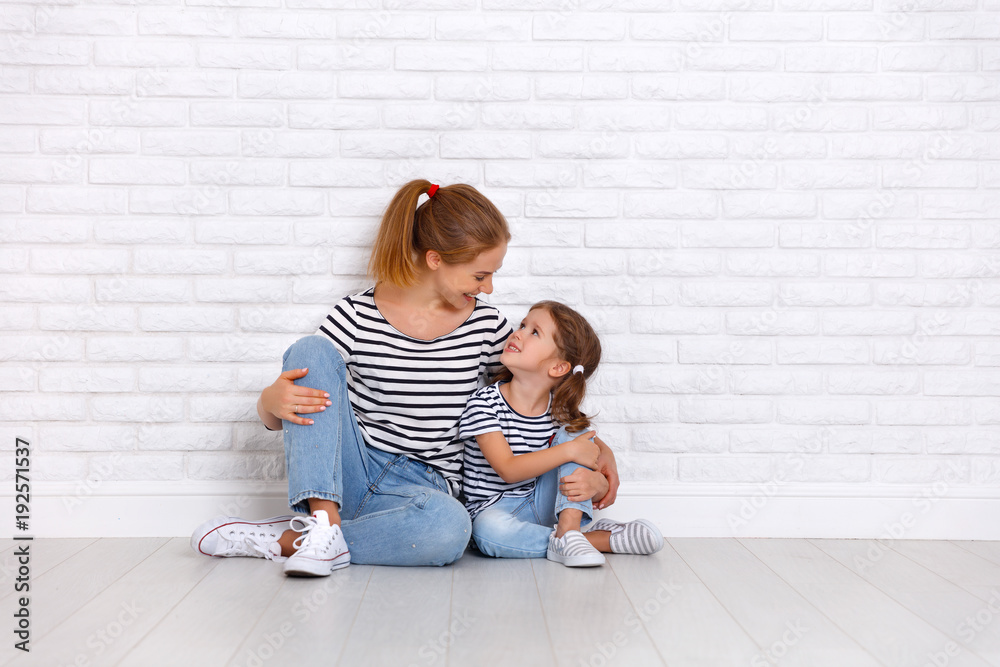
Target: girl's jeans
{"x": 394, "y": 510}
{"x": 520, "y": 527}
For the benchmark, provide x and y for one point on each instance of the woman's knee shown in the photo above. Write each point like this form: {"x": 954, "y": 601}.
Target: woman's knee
{"x": 311, "y": 349}
{"x": 449, "y": 520}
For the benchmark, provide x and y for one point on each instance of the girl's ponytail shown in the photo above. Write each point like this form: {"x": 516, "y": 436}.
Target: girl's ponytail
{"x": 579, "y": 345}
{"x": 566, "y": 399}
{"x": 458, "y": 222}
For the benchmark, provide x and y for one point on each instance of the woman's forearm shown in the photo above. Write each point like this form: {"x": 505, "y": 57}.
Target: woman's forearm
{"x": 606, "y": 452}
{"x": 608, "y": 467}
{"x": 270, "y": 421}
{"x": 606, "y": 462}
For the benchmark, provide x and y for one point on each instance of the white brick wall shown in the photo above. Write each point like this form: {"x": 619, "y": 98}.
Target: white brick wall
{"x": 783, "y": 218}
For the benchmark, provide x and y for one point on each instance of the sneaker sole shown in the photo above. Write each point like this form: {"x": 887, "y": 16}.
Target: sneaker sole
{"x": 212, "y": 525}
{"x": 574, "y": 561}
{"x": 318, "y": 568}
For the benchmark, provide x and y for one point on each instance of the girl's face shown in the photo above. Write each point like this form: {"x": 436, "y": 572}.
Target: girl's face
{"x": 532, "y": 347}
{"x": 459, "y": 284}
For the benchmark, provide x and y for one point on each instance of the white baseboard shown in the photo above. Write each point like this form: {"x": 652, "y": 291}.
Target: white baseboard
{"x": 887, "y": 512}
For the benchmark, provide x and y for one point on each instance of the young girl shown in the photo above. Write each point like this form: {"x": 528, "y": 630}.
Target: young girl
{"x": 369, "y": 405}
{"x": 511, "y": 473}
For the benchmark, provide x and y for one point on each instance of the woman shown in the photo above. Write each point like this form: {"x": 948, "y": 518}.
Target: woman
{"x": 370, "y": 404}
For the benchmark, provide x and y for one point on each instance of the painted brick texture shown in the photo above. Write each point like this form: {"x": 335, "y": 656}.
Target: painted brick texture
{"x": 781, "y": 217}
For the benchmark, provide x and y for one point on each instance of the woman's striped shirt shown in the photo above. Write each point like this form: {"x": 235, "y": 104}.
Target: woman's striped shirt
{"x": 488, "y": 411}
{"x": 408, "y": 394}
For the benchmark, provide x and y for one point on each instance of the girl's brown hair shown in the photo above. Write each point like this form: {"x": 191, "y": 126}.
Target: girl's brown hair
{"x": 458, "y": 222}
{"x": 579, "y": 345}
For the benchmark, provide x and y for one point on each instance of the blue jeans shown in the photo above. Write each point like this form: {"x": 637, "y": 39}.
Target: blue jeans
{"x": 394, "y": 510}
{"x": 520, "y": 527}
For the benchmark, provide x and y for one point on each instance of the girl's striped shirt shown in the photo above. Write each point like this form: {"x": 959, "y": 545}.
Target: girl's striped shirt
{"x": 408, "y": 394}
{"x": 486, "y": 412}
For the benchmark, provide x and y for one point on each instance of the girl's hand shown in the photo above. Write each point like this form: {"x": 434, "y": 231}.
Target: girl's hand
{"x": 583, "y": 485}
{"x": 584, "y": 451}
{"x": 284, "y": 398}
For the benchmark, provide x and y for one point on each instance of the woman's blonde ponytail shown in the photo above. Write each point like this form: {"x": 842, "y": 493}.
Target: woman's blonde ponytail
{"x": 393, "y": 255}
{"x": 458, "y": 222}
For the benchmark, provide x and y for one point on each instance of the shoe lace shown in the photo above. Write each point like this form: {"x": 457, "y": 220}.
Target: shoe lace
{"x": 310, "y": 528}
{"x": 241, "y": 543}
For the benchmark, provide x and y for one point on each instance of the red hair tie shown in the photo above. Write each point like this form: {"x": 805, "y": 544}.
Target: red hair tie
{"x": 431, "y": 190}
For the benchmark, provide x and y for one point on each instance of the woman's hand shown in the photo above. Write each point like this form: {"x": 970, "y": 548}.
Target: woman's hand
{"x": 284, "y": 398}
{"x": 583, "y": 485}
{"x": 608, "y": 467}
{"x": 583, "y": 450}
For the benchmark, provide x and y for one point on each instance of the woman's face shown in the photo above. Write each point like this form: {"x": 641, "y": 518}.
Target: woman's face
{"x": 459, "y": 284}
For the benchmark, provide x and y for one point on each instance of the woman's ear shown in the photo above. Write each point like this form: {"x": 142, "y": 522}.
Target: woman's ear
{"x": 433, "y": 259}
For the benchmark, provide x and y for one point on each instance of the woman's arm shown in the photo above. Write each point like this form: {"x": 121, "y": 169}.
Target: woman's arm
{"x": 270, "y": 421}
{"x": 599, "y": 485}
{"x": 607, "y": 466}
{"x": 286, "y": 400}
{"x": 517, "y": 468}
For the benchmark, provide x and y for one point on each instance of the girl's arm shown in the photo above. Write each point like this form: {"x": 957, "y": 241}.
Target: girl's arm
{"x": 518, "y": 468}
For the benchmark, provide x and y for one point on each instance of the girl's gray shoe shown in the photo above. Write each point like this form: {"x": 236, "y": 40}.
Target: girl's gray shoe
{"x": 633, "y": 537}
{"x": 573, "y": 550}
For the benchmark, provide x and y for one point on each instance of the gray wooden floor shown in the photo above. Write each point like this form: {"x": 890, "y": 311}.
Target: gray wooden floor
{"x": 844, "y": 603}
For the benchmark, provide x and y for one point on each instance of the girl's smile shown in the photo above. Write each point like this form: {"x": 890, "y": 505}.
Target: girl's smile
{"x": 533, "y": 343}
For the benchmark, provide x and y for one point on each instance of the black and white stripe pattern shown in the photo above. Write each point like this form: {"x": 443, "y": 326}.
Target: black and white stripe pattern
{"x": 634, "y": 537}
{"x": 486, "y": 412}
{"x": 408, "y": 394}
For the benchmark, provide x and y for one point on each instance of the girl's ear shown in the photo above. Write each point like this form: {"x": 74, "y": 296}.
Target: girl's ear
{"x": 559, "y": 369}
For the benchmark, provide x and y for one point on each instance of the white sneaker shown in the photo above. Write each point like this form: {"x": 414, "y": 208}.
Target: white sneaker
{"x": 573, "y": 550}
{"x": 633, "y": 537}
{"x": 320, "y": 549}
{"x": 227, "y": 536}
